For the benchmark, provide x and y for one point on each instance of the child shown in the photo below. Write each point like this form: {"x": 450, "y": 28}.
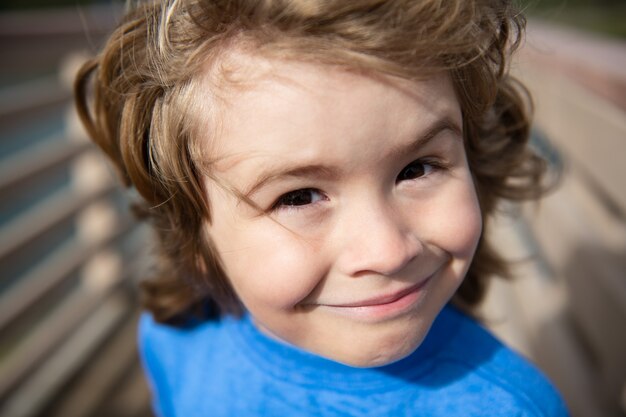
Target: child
{"x": 318, "y": 173}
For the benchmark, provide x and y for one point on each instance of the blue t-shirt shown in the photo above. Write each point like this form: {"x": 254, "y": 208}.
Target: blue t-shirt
{"x": 229, "y": 368}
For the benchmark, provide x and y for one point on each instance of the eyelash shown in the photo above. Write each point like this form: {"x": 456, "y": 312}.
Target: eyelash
{"x": 434, "y": 164}
{"x": 283, "y": 201}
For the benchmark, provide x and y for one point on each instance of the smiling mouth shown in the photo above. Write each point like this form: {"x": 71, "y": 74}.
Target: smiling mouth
{"x": 385, "y": 306}
{"x": 385, "y": 299}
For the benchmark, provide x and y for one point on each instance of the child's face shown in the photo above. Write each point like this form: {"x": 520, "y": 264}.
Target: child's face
{"x": 372, "y": 217}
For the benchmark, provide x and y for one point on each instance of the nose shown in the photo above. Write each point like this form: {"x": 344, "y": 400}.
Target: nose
{"x": 376, "y": 240}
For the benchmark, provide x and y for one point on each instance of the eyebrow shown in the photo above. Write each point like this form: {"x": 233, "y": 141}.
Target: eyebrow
{"x": 439, "y": 126}
{"x": 325, "y": 172}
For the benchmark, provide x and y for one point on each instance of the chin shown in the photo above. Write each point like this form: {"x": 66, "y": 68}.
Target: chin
{"x": 377, "y": 359}
{"x": 384, "y": 352}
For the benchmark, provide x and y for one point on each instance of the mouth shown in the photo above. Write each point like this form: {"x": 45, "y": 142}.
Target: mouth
{"x": 385, "y": 306}
{"x": 385, "y": 299}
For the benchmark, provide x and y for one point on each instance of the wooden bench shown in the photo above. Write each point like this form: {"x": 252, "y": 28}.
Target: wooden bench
{"x": 567, "y": 308}
{"x": 70, "y": 253}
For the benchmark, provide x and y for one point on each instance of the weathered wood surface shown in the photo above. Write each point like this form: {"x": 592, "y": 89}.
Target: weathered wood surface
{"x": 567, "y": 308}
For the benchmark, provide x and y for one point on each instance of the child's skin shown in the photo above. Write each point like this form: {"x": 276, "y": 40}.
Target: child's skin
{"x": 371, "y": 217}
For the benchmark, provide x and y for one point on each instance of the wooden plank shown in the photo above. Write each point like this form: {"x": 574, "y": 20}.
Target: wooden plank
{"x": 38, "y": 158}
{"x": 106, "y": 373}
{"x": 45, "y": 215}
{"x": 48, "y": 274}
{"x": 22, "y": 98}
{"x": 31, "y": 398}
{"x": 586, "y": 246}
{"x": 588, "y": 130}
{"x": 537, "y": 308}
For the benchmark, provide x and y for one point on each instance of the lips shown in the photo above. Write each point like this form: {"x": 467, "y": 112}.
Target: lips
{"x": 384, "y": 299}
{"x": 383, "y": 307}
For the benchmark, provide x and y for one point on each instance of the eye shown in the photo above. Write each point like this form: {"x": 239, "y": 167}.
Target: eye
{"x": 416, "y": 169}
{"x": 299, "y": 198}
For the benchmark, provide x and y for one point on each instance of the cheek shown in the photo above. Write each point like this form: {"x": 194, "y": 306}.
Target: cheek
{"x": 268, "y": 266}
{"x": 465, "y": 224}
{"x": 456, "y": 221}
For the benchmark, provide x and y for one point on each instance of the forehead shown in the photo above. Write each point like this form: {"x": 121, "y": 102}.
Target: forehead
{"x": 271, "y": 105}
